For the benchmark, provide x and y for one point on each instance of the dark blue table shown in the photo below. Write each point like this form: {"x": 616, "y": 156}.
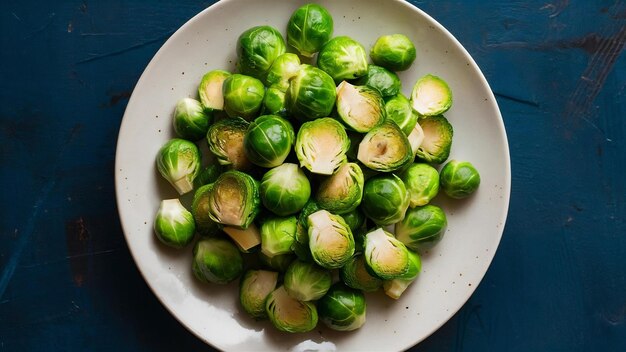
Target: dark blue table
{"x": 558, "y": 281}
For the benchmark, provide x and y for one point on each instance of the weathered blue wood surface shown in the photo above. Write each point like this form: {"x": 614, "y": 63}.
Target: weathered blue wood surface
{"x": 67, "y": 281}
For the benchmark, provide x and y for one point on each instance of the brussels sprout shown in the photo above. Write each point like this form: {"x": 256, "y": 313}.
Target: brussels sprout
{"x": 396, "y": 287}
{"x": 200, "y": 211}
{"x": 226, "y": 141}
{"x": 360, "y": 107}
{"x": 257, "y": 49}
{"x": 268, "y": 140}
{"x": 255, "y": 287}
{"x": 274, "y": 102}
{"x": 385, "y": 148}
{"x": 174, "y": 225}
{"x": 279, "y": 262}
{"x": 431, "y": 96}
{"x": 387, "y": 257}
{"x": 435, "y": 147}
{"x": 385, "y": 199}
{"x": 422, "y": 227}
{"x": 245, "y": 239}
{"x": 422, "y": 182}
{"x": 459, "y": 179}
{"x": 330, "y": 239}
{"x": 178, "y": 161}
{"x": 384, "y": 81}
{"x": 342, "y": 308}
{"x": 285, "y": 189}
{"x": 321, "y": 145}
{"x": 208, "y": 175}
{"x": 395, "y": 52}
{"x": 210, "y": 90}
{"x": 355, "y": 139}
{"x": 190, "y": 122}
{"x": 341, "y": 192}
{"x": 399, "y": 110}
{"x": 301, "y": 245}
{"x": 309, "y": 28}
{"x": 243, "y": 96}
{"x": 284, "y": 67}
{"x": 416, "y": 137}
{"x": 343, "y": 59}
{"x": 355, "y": 275}
{"x": 278, "y": 235}
{"x": 288, "y": 314}
{"x": 234, "y": 199}
{"x": 216, "y": 260}
{"x": 307, "y": 281}
{"x": 311, "y": 94}
{"x": 355, "y": 220}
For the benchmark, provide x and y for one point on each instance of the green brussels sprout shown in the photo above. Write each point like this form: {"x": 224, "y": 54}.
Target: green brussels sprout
{"x": 205, "y": 226}
{"x": 178, "y": 161}
{"x": 243, "y": 96}
{"x": 422, "y": 227}
{"x": 309, "y": 28}
{"x": 431, "y": 96}
{"x": 208, "y": 175}
{"x": 341, "y": 192}
{"x": 190, "y": 122}
{"x": 416, "y": 137}
{"x": 268, "y": 140}
{"x": 321, "y": 145}
{"x": 395, "y": 52}
{"x": 360, "y": 107}
{"x": 343, "y": 58}
{"x": 301, "y": 245}
{"x": 387, "y": 257}
{"x": 355, "y": 220}
{"x": 387, "y": 83}
{"x": 278, "y": 235}
{"x": 342, "y": 308}
{"x": 282, "y": 70}
{"x": 435, "y": 147}
{"x": 174, "y": 225}
{"x": 422, "y": 182}
{"x": 210, "y": 90}
{"x": 396, "y": 287}
{"x": 385, "y": 148}
{"x": 355, "y": 139}
{"x": 234, "y": 199}
{"x": 274, "y": 102}
{"x": 311, "y": 94}
{"x": 257, "y": 49}
{"x": 288, "y": 314}
{"x": 279, "y": 262}
{"x": 255, "y": 287}
{"x": 330, "y": 239}
{"x": 307, "y": 281}
{"x": 355, "y": 275}
{"x": 225, "y": 139}
{"x": 285, "y": 189}
{"x": 459, "y": 179}
{"x": 216, "y": 260}
{"x": 385, "y": 199}
{"x": 245, "y": 239}
{"x": 399, "y": 110}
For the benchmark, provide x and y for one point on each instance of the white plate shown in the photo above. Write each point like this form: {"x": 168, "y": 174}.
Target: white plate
{"x": 451, "y": 271}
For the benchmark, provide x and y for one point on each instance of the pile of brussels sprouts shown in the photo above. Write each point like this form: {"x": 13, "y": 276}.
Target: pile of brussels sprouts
{"x": 309, "y": 169}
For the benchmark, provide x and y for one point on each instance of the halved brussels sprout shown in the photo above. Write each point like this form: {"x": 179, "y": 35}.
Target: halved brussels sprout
{"x": 309, "y": 28}
{"x": 288, "y": 314}
{"x": 255, "y": 287}
{"x": 285, "y": 189}
{"x": 459, "y": 179}
{"x": 268, "y": 140}
{"x": 190, "y": 122}
{"x": 245, "y": 239}
{"x": 307, "y": 281}
{"x": 396, "y": 287}
{"x": 416, "y": 137}
{"x": 330, "y": 239}
{"x": 435, "y": 147}
{"x": 387, "y": 83}
{"x": 431, "y": 96}
{"x": 243, "y": 96}
{"x": 274, "y": 102}
{"x": 210, "y": 90}
{"x": 311, "y": 94}
{"x": 385, "y": 148}
{"x": 200, "y": 211}
{"x": 395, "y": 52}
{"x": 422, "y": 182}
{"x": 385, "y": 199}
{"x": 399, "y": 110}
{"x": 208, "y": 175}
{"x": 301, "y": 246}
{"x": 341, "y": 192}
{"x": 216, "y": 260}
{"x": 387, "y": 257}
{"x": 355, "y": 275}
{"x": 321, "y": 145}
{"x": 234, "y": 199}
{"x": 279, "y": 262}
{"x": 284, "y": 67}
{"x": 422, "y": 227}
{"x": 343, "y": 58}
{"x": 342, "y": 308}
{"x": 355, "y": 139}
{"x": 226, "y": 141}
{"x": 360, "y": 107}
{"x": 174, "y": 225}
{"x": 257, "y": 48}
{"x": 178, "y": 161}
{"x": 278, "y": 235}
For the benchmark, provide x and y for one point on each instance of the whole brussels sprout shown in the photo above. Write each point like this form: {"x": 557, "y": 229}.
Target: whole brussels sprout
{"x": 422, "y": 182}
{"x": 399, "y": 110}
{"x": 395, "y": 52}
{"x": 360, "y": 107}
{"x": 285, "y": 189}
{"x": 321, "y": 145}
{"x": 174, "y": 225}
{"x": 288, "y": 314}
{"x": 330, "y": 240}
{"x": 205, "y": 226}
{"x": 255, "y": 287}
{"x": 307, "y": 281}
{"x": 234, "y": 199}
{"x": 210, "y": 90}
{"x": 282, "y": 70}
{"x": 274, "y": 102}
{"x": 268, "y": 140}
{"x": 216, "y": 260}
{"x": 311, "y": 94}
{"x": 178, "y": 161}
{"x": 225, "y": 139}
{"x": 343, "y": 58}
{"x": 431, "y": 96}
{"x": 257, "y": 48}
{"x": 243, "y": 96}
{"x": 385, "y": 148}
{"x": 279, "y": 262}
{"x": 208, "y": 175}
{"x": 355, "y": 220}
{"x": 309, "y": 28}
{"x": 416, "y": 137}
{"x": 190, "y": 121}
{"x": 459, "y": 179}
{"x": 422, "y": 227}
{"x": 342, "y": 308}
{"x": 396, "y": 287}
{"x": 384, "y": 81}
{"x": 385, "y": 199}
{"x": 435, "y": 147}
{"x": 355, "y": 275}
{"x": 246, "y": 239}
{"x": 278, "y": 235}
{"x": 341, "y": 192}
{"x": 387, "y": 257}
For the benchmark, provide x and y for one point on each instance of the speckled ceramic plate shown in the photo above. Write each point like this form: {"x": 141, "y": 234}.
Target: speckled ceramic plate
{"x": 451, "y": 271}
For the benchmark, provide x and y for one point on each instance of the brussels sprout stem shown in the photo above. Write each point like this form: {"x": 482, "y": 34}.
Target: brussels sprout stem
{"x": 183, "y": 185}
